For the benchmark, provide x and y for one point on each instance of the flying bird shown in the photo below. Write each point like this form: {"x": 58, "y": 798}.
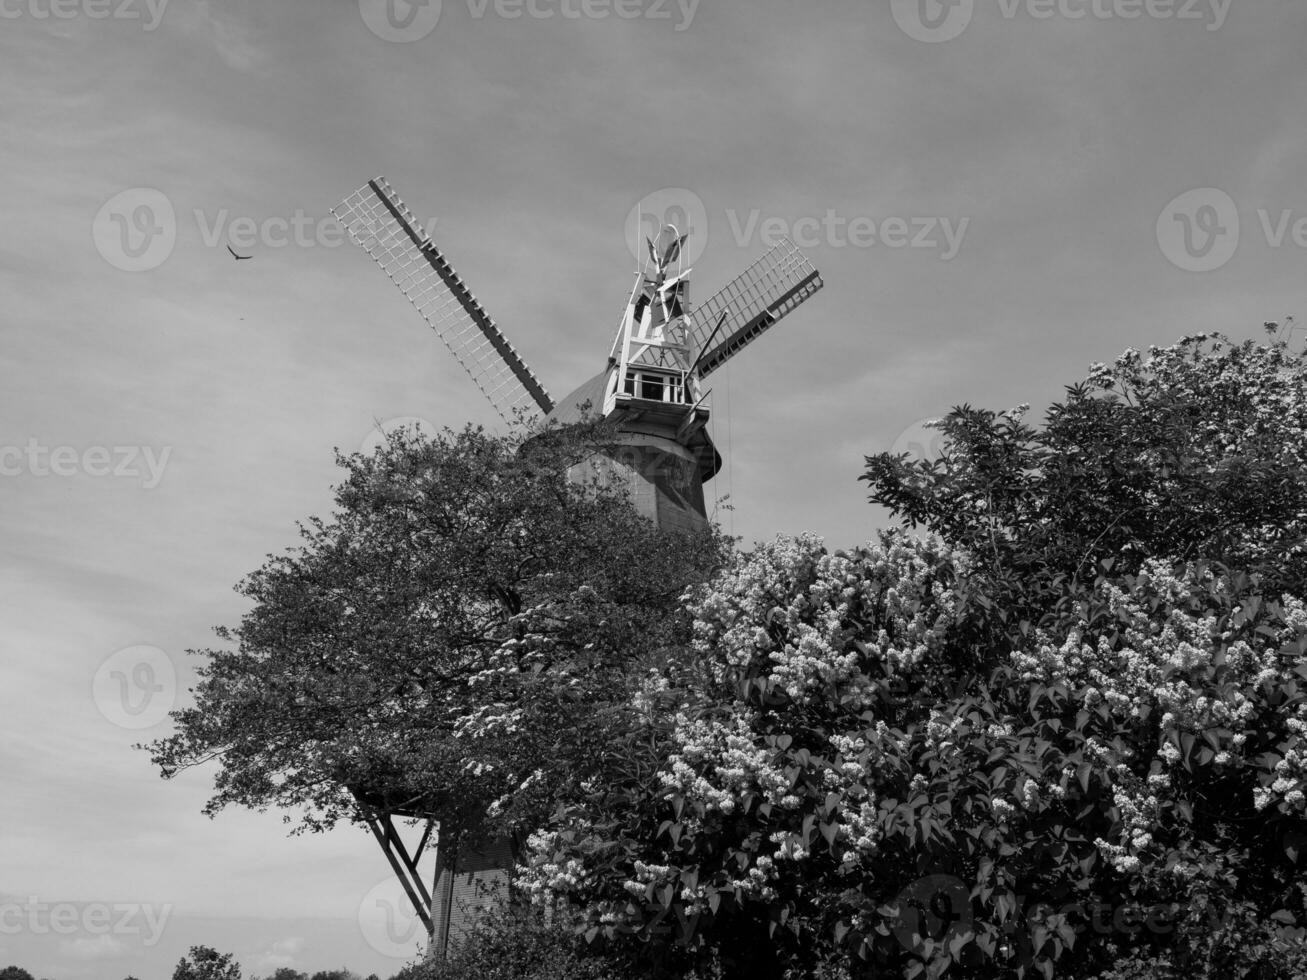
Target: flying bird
{"x": 238, "y": 258}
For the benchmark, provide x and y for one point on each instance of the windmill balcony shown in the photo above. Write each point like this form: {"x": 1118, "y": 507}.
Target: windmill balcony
{"x": 655, "y": 386}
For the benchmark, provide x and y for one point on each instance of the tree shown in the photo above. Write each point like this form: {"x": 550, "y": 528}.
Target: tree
{"x": 15, "y": 973}
{"x": 463, "y": 632}
{"x": 1195, "y": 452}
{"x": 954, "y": 755}
{"x": 206, "y": 963}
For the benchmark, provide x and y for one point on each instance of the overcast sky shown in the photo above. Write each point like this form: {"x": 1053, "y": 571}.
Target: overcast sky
{"x": 996, "y": 197}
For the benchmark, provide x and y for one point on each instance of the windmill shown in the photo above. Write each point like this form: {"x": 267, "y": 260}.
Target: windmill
{"x": 651, "y": 389}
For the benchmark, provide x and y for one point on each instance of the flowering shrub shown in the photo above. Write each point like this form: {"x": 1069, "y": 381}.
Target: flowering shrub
{"x": 1148, "y": 745}
{"x": 1062, "y": 734}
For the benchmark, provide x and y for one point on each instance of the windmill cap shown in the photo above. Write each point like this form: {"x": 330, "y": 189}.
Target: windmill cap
{"x": 591, "y": 394}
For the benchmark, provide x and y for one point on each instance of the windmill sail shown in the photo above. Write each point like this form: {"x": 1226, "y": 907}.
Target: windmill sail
{"x": 771, "y": 288}
{"x": 379, "y": 222}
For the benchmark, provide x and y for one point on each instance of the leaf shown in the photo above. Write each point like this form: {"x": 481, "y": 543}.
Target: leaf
{"x": 1294, "y": 842}
{"x": 1082, "y": 774}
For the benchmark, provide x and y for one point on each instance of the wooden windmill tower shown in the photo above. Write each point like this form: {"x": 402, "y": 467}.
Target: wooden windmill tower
{"x": 651, "y": 388}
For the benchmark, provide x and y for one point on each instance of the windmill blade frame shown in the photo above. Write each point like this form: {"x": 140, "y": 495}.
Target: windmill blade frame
{"x": 377, "y": 221}
{"x": 753, "y": 302}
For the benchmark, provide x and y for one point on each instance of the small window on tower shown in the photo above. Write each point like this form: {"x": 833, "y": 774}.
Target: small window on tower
{"x": 651, "y": 387}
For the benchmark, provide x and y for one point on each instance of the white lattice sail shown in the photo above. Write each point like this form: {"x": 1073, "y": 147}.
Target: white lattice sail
{"x": 757, "y": 299}
{"x": 379, "y": 222}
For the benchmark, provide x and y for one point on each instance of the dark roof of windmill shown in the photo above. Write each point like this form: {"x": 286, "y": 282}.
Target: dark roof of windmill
{"x": 568, "y": 410}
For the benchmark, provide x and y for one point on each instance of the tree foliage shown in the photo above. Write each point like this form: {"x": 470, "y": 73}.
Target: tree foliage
{"x": 1195, "y": 452}
{"x": 206, "y": 963}
{"x": 458, "y": 638}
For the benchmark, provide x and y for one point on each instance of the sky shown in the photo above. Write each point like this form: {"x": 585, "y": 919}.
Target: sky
{"x": 997, "y": 194}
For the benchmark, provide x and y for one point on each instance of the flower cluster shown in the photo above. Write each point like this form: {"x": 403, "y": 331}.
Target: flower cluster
{"x": 814, "y": 623}
{"x": 719, "y": 763}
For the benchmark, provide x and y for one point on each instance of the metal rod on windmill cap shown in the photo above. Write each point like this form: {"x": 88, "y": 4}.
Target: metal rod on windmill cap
{"x": 707, "y": 344}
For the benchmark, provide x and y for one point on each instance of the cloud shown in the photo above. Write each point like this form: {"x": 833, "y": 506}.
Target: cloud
{"x": 231, "y": 34}
{"x": 101, "y": 947}
{"x": 281, "y": 953}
